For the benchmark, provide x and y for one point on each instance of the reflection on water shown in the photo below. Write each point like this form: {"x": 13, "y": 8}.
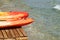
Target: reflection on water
{"x": 47, "y": 19}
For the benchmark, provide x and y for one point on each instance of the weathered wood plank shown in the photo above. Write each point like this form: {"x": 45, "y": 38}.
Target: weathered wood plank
{"x": 21, "y": 38}
{"x": 8, "y": 33}
{"x": 19, "y": 32}
{"x": 16, "y": 33}
{"x": 1, "y": 39}
{"x": 4, "y": 34}
{"x": 1, "y": 35}
{"x": 22, "y": 31}
{"x": 12, "y": 33}
{"x": 9, "y": 39}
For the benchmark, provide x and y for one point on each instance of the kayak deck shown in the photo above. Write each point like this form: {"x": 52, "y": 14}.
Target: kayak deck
{"x": 13, "y": 34}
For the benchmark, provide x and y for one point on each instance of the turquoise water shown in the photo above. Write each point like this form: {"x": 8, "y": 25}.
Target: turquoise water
{"x": 47, "y": 19}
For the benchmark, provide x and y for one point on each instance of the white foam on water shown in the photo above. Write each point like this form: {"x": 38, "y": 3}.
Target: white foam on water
{"x": 57, "y": 7}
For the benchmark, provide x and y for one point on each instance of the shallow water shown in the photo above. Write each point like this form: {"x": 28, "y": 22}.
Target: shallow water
{"x": 47, "y": 19}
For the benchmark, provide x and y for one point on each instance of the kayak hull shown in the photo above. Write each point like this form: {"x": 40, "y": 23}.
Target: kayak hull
{"x": 22, "y": 22}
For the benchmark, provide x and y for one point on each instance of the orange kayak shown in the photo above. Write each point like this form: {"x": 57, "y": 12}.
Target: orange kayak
{"x": 13, "y": 15}
{"x": 13, "y": 19}
{"x": 6, "y": 24}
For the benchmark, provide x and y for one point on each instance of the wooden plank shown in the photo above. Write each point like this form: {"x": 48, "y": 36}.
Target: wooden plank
{"x": 1, "y": 35}
{"x": 21, "y": 38}
{"x": 9, "y": 39}
{"x": 16, "y": 33}
{"x": 22, "y": 31}
{"x": 12, "y": 33}
{"x": 8, "y": 33}
{"x": 19, "y": 32}
{"x": 1, "y": 39}
{"x": 4, "y": 34}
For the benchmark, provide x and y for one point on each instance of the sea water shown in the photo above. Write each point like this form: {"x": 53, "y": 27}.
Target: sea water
{"x": 46, "y": 25}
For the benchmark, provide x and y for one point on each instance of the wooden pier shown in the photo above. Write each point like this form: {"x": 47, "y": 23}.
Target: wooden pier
{"x": 13, "y": 34}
